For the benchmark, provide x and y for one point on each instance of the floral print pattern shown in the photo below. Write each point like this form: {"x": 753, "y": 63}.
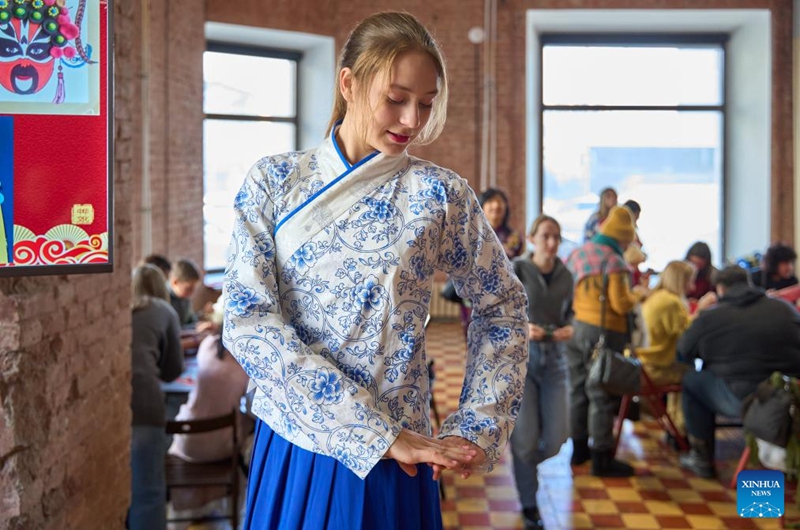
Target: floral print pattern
{"x": 334, "y": 337}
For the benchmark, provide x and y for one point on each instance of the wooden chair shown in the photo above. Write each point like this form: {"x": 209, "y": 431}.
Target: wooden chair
{"x": 225, "y": 473}
{"x": 654, "y": 396}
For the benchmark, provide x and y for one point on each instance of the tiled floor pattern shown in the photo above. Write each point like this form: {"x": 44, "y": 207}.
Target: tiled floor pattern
{"x": 660, "y": 496}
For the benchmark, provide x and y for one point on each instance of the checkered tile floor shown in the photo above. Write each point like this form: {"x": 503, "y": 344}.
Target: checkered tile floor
{"x": 660, "y": 496}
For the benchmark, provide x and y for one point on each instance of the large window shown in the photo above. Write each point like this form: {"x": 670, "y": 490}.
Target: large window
{"x": 250, "y": 106}
{"x": 645, "y": 116}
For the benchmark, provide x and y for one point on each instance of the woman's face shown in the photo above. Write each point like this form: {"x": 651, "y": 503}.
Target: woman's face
{"x": 785, "y": 269}
{"x": 399, "y": 109}
{"x": 546, "y": 239}
{"x": 698, "y": 262}
{"x": 495, "y": 211}
{"x": 609, "y": 200}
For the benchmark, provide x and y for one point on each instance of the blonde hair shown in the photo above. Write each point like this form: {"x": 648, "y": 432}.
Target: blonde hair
{"x": 675, "y": 277}
{"x": 371, "y": 50}
{"x": 543, "y": 219}
{"x": 148, "y": 283}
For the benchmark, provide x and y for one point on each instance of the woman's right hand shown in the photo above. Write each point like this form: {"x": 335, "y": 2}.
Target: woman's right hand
{"x": 411, "y": 448}
{"x": 536, "y": 333}
{"x": 563, "y": 334}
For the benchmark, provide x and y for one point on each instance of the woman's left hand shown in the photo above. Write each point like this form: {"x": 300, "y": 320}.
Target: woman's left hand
{"x": 466, "y": 469}
{"x": 563, "y": 334}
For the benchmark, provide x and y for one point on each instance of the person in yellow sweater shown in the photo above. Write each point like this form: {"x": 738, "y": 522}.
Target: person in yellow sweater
{"x": 592, "y": 409}
{"x": 666, "y": 317}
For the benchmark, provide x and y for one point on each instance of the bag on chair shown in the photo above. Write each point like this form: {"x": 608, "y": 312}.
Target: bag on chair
{"x": 768, "y": 412}
{"x": 611, "y": 370}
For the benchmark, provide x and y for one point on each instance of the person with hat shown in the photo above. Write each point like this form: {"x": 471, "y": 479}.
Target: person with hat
{"x": 592, "y": 409}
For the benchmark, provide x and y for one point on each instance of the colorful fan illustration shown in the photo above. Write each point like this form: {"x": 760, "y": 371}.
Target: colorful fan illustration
{"x": 23, "y": 234}
{"x": 71, "y": 235}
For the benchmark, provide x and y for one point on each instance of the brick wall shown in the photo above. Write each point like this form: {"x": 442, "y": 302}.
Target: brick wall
{"x": 65, "y": 359}
{"x": 450, "y": 20}
{"x": 173, "y": 125}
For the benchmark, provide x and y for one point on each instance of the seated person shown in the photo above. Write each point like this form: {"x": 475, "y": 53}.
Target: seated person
{"x": 741, "y": 341}
{"x": 183, "y": 280}
{"x": 221, "y": 382}
{"x": 778, "y": 268}
{"x": 666, "y": 317}
{"x": 699, "y": 255}
{"x": 159, "y": 261}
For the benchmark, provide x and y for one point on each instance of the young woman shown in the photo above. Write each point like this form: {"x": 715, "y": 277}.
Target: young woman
{"x": 156, "y": 356}
{"x": 543, "y": 421}
{"x": 326, "y": 295}
{"x": 699, "y": 255}
{"x": 495, "y": 207}
{"x": 778, "y": 268}
{"x": 666, "y": 316}
{"x": 608, "y": 199}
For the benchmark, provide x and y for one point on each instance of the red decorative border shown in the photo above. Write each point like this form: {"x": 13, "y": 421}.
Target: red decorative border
{"x": 42, "y": 250}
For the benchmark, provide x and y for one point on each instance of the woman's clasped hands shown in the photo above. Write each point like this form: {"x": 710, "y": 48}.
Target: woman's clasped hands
{"x": 452, "y": 452}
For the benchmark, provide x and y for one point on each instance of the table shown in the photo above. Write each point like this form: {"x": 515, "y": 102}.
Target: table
{"x": 185, "y": 382}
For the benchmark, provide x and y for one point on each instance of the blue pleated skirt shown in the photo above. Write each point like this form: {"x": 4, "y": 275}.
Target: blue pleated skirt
{"x": 291, "y": 488}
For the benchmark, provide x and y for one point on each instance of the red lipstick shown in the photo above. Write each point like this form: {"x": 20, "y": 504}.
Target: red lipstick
{"x": 399, "y": 138}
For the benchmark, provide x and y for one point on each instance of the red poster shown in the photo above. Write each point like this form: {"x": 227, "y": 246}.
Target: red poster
{"x": 56, "y": 187}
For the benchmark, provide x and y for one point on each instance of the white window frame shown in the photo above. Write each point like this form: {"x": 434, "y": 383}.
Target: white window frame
{"x": 748, "y": 133}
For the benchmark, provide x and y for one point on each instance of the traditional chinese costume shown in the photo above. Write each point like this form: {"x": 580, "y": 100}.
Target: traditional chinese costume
{"x": 327, "y": 290}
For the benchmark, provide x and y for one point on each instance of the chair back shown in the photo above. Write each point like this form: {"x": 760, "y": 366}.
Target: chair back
{"x": 183, "y": 474}
{"x": 204, "y": 425}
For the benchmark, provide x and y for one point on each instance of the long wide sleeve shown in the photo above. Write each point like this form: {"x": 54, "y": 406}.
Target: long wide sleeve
{"x": 497, "y": 337}
{"x": 305, "y": 396}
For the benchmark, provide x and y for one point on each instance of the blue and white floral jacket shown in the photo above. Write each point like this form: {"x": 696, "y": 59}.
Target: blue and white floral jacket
{"x": 327, "y": 289}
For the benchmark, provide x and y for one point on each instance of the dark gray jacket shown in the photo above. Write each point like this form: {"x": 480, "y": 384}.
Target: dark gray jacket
{"x": 744, "y": 338}
{"x": 547, "y": 304}
{"x": 156, "y": 356}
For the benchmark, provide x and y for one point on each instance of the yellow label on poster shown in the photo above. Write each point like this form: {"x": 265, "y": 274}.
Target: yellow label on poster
{"x": 82, "y": 214}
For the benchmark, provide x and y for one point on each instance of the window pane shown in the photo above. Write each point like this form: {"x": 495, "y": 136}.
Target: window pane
{"x": 248, "y": 85}
{"x": 669, "y": 162}
{"x": 632, "y": 75}
{"x": 230, "y": 148}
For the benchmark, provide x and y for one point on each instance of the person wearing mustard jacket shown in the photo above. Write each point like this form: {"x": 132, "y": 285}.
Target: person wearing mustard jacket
{"x": 592, "y": 408}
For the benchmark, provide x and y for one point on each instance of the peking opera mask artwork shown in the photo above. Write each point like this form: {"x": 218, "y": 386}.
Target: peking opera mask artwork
{"x": 43, "y": 45}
